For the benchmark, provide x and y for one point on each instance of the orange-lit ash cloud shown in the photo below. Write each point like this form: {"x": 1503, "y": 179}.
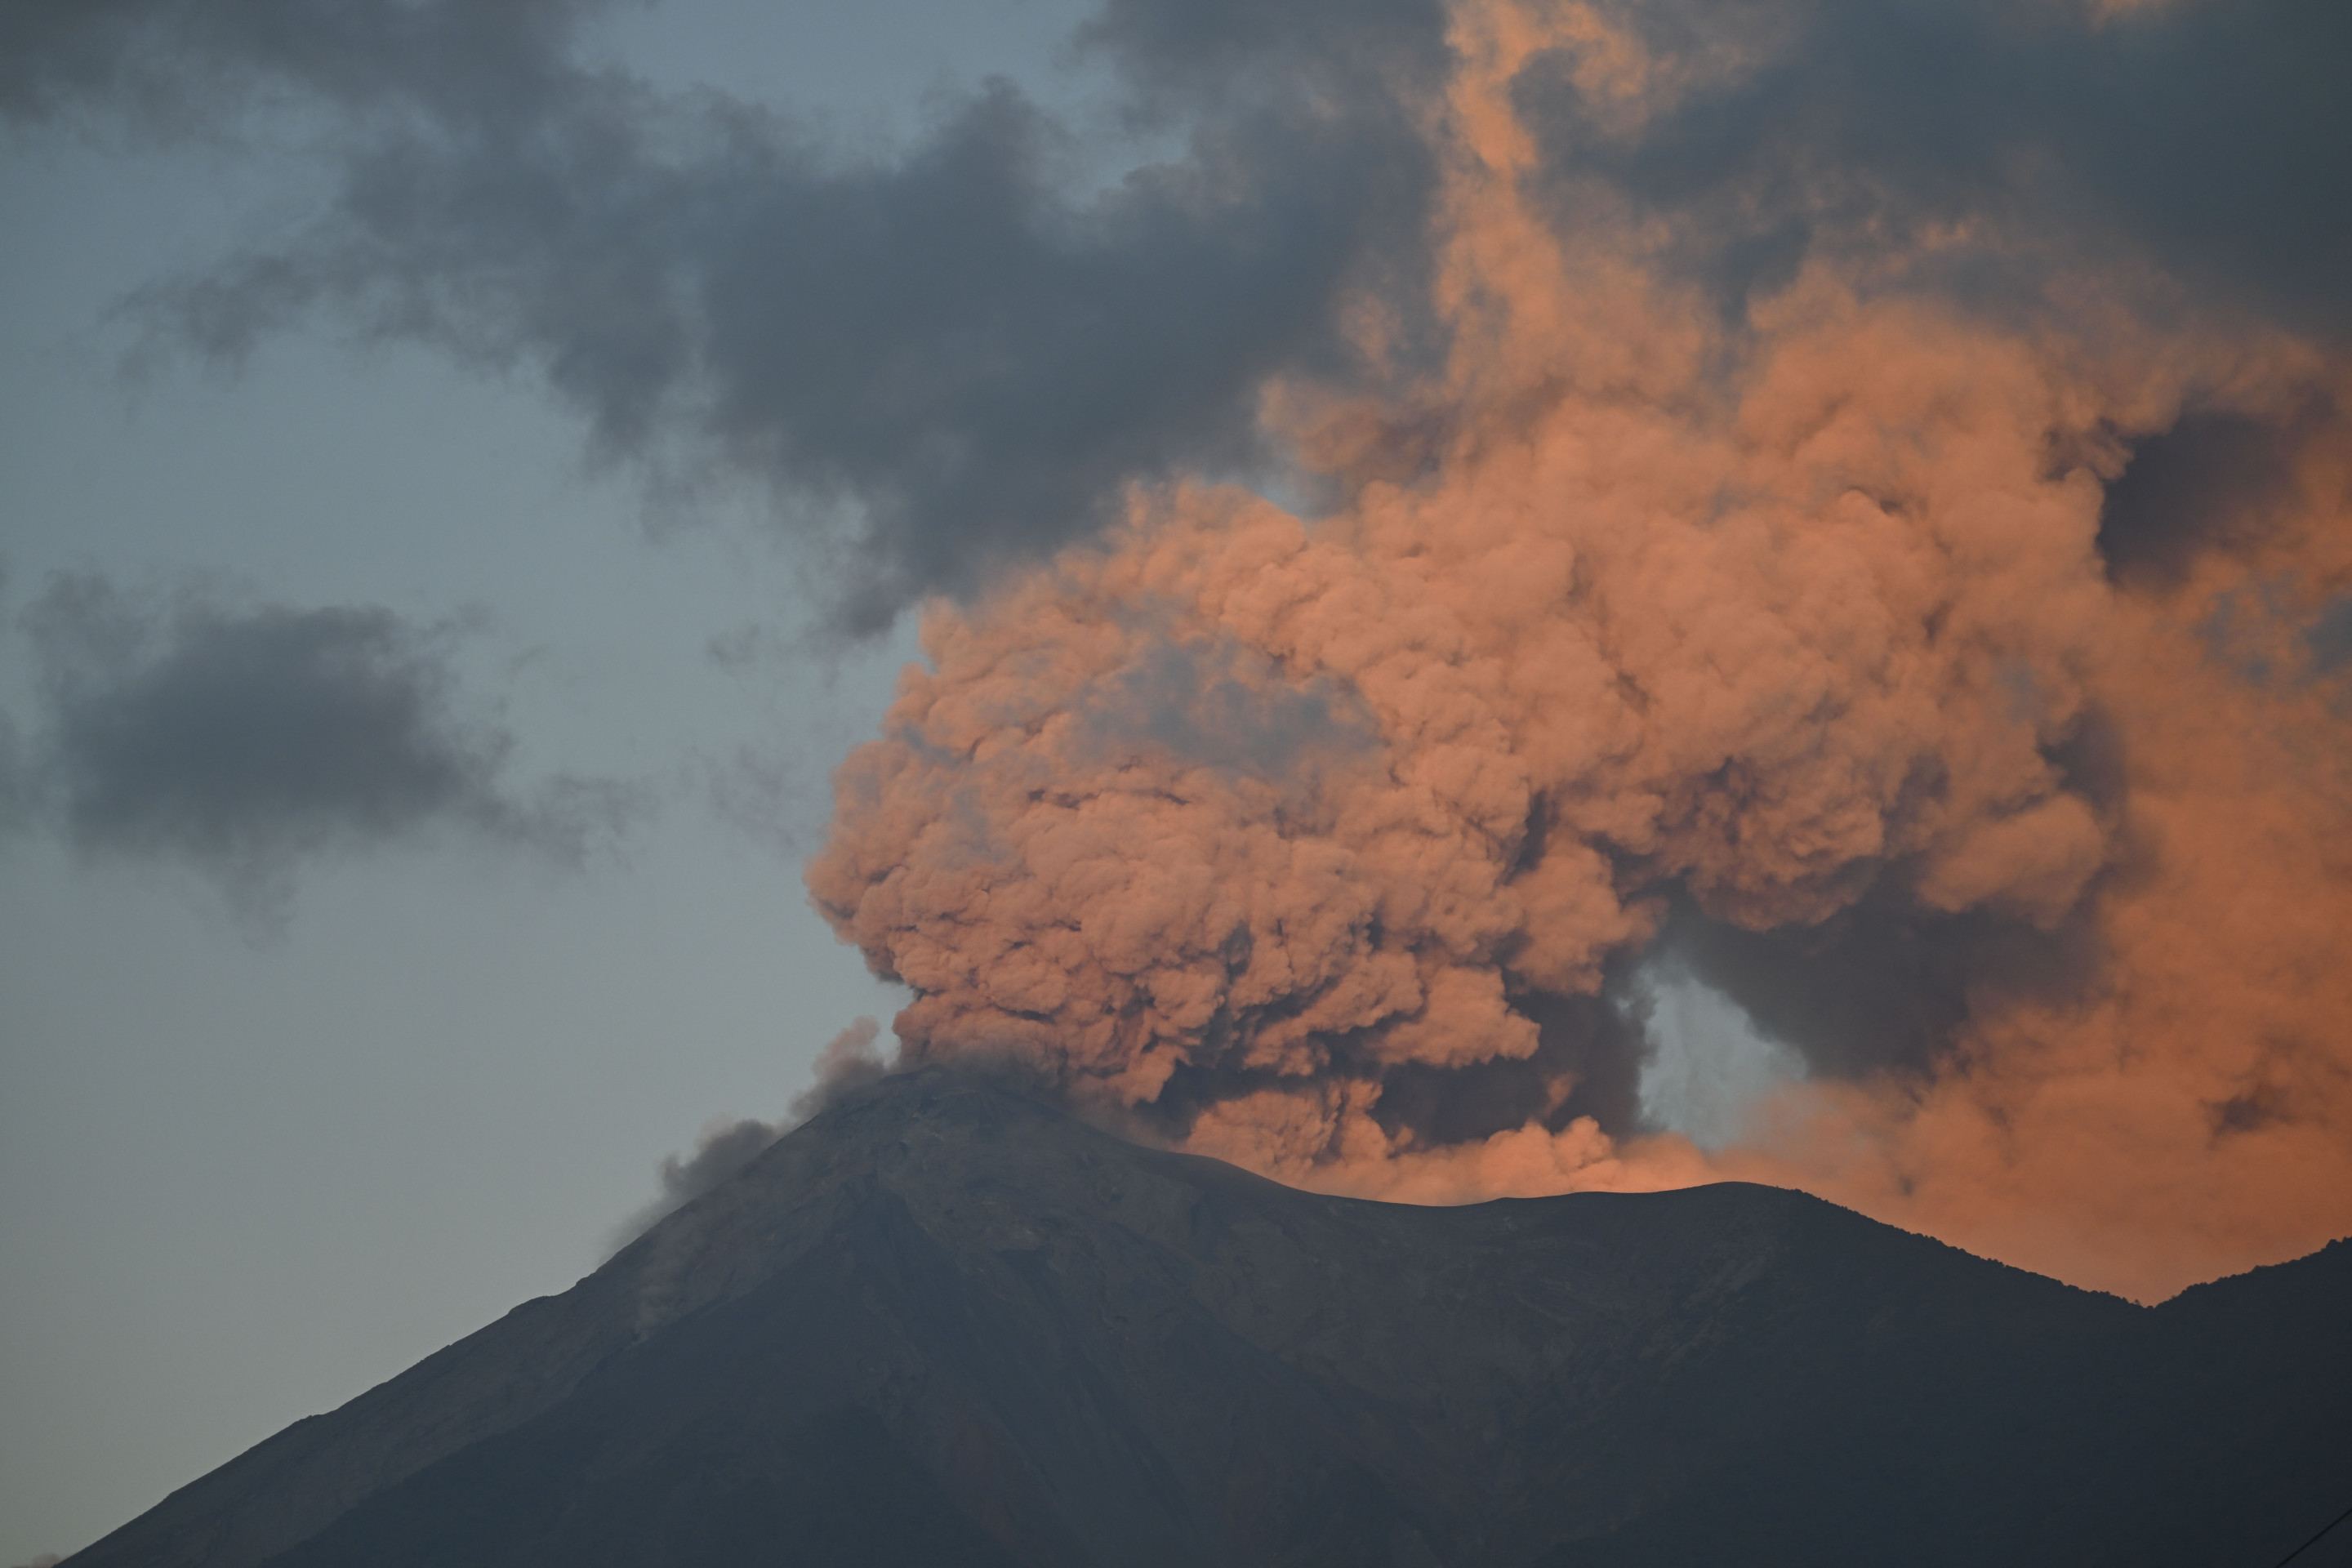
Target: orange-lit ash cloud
{"x": 1329, "y": 844}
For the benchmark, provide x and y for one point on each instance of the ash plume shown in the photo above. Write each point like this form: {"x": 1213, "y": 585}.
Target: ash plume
{"x": 1816, "y": 641}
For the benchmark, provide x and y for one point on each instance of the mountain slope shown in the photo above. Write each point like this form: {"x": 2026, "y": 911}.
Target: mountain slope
{"x": 946, "y": 1323}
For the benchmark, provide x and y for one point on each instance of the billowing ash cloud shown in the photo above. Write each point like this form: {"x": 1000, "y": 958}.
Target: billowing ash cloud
{"x": 1824, "y": 648}
{"x": 942, "y": 359}
{"x": 244, "y": 739}
{"x": 725, "y": 1147}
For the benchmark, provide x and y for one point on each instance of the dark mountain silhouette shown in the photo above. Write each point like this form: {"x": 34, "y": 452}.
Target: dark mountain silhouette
{"x": 944, "y": 1323}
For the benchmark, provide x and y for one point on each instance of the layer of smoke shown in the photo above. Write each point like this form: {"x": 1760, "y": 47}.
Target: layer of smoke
{"x": 725, "y": 1147}
{"x": 934, "y": 361}
{"x": 721, "y": 1149}
{"x": 243, "y": 739}
{"x": 1780, "y": 640}
{"x": 1905, "y": 131}
{"x": 849, "y": 1059}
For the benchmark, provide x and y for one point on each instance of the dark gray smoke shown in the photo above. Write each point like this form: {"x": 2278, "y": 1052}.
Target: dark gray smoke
{"x": 2215, "y": 479}
{"x": 2196, "y": 138}
{"x": 725, "y": 1147}
{"x": 943, "y": 360}
{"x": 953, "y": 358}
{"x": 244, "y": 739}
{"x": 2205, "y": 136}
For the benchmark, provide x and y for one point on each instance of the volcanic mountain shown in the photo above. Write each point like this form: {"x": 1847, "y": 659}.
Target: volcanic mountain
{"x": 947, "y": 1323}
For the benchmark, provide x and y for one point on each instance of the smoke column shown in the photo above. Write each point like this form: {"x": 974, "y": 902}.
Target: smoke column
{"x": 1805, "y": 645}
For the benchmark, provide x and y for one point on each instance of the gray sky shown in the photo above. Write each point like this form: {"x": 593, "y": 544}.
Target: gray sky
{"x": 252, "y": 1161}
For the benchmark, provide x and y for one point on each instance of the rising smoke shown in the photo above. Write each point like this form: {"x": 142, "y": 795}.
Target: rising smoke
{"x": 725, "y": 1147}
{"x": 934, "y": 359}
{"x": 1766, "y": 583}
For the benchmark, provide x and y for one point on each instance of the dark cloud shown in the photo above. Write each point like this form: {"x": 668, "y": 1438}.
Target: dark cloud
{"x": 2208, "y": 137}
{"x": 244, "y": 739}
{"x": 2216, "y": 479}
{"x": 1881, "y": 988}
{"x": 2329, "y": 638}
{"x": 935, "y": 362}
{"x": 2179, "y": 152}
{"x": 1588, "y": 1062}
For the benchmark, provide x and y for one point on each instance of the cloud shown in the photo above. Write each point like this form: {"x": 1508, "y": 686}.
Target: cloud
{"x": 2031, "y": 133}
{"x": 2214, "y": 480}
{"x": 246, "y": 739}
{"x": 935, "y": 362}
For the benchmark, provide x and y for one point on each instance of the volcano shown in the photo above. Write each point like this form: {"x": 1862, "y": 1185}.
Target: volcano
{"x": 945, "y": 1322}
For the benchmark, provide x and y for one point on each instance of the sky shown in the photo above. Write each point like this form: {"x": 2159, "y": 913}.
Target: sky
{"x": 253, "y": 1161}
{"x": 1440, "y": 598}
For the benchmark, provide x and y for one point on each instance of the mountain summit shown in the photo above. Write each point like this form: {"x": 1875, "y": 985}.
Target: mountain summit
{"x": 946, "y": 1323}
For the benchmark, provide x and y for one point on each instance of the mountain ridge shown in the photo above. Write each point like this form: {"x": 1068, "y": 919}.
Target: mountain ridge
{"x": 945, "y": 1321}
